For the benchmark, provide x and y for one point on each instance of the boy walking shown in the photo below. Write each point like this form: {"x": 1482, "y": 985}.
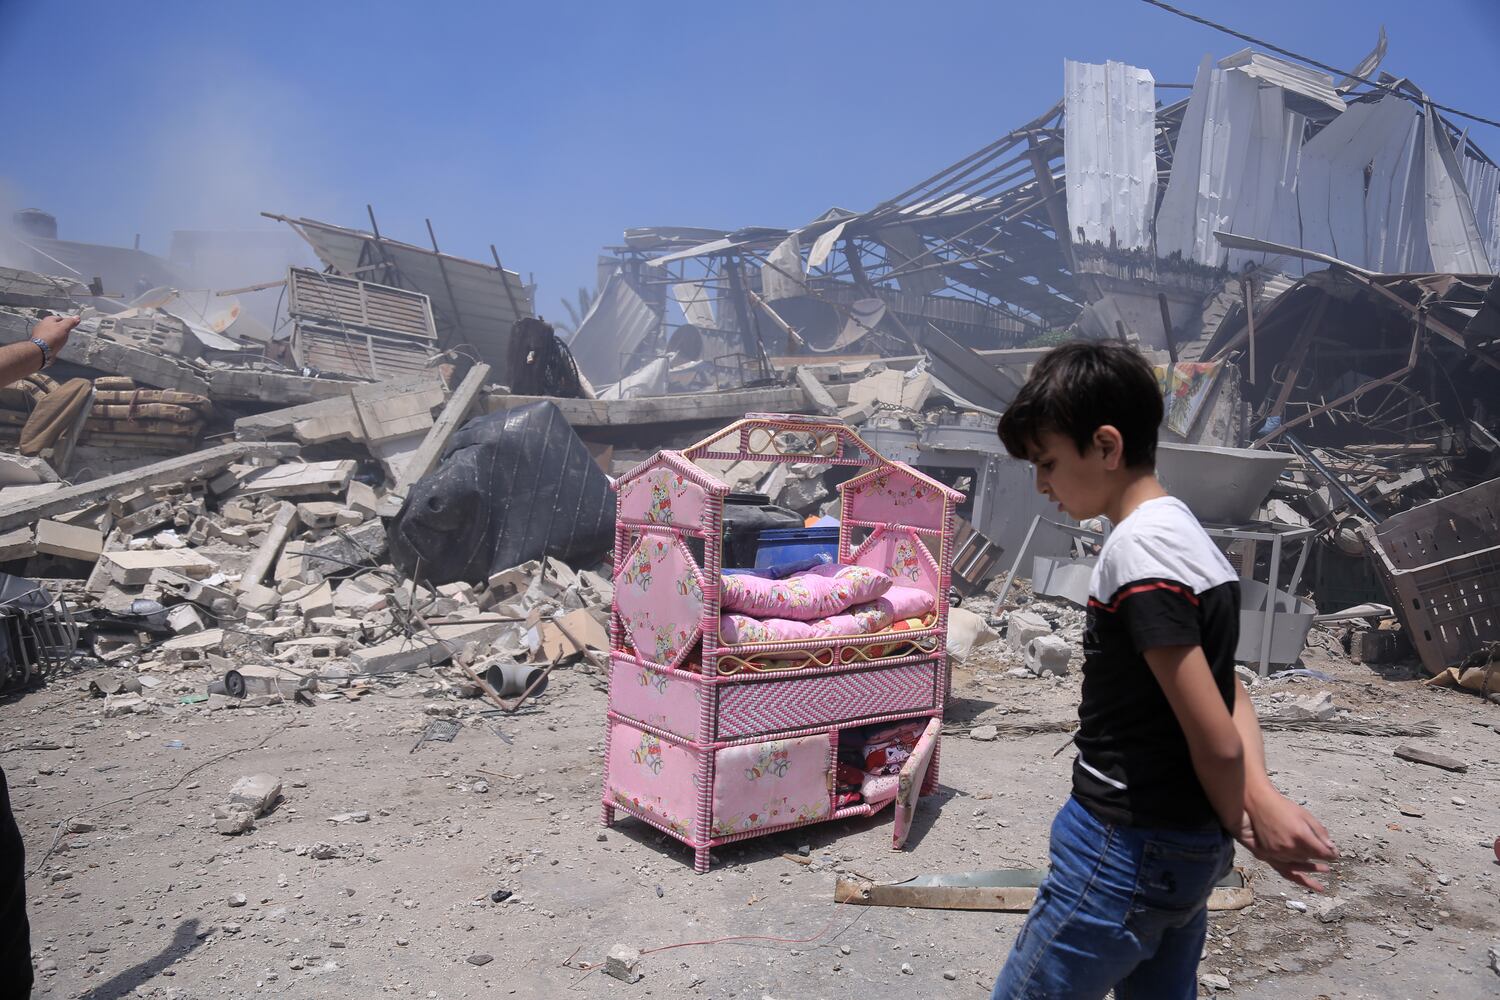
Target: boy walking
{"x": 1170, "y": 769}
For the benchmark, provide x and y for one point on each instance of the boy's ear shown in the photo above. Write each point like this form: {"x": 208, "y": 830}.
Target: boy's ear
{"x": 1111, "y": 445}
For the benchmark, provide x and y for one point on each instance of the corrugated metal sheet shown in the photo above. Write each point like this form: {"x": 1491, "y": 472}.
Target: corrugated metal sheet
{"x": 469, "y": 299}
{"x": 1359, "y": 189}
{"x": 1268, "y": 201}
{"x": 1109, "y": 148}
{"x": 1288, "y": 76}
{"x": 333, "y": 300}
{"x": 1483, "y": 183}
{"x": 616, "y": 324}
{"x": 1213, "y": 144}
{"x": 1452, "y": 233}
{"x": 781, "y": 275}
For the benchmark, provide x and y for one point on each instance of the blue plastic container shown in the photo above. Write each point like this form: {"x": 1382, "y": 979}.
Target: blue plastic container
{"x": 779, "y": 546}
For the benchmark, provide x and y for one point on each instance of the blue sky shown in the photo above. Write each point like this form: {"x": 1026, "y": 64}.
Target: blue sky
{"x": 547, "y": 129}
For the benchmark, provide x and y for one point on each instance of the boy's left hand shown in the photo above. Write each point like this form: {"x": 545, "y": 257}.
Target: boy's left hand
{"x": 1287, "y": 837}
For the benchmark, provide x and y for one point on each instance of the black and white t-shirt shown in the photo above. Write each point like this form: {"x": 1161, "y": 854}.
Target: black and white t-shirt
{"x": 1160, "y": 581}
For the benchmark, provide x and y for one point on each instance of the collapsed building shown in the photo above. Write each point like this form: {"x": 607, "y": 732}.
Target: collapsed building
{"x": 1308, "y": 262}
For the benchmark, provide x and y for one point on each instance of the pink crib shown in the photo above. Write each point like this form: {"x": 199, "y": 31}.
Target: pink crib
{"x": 713, "y": 743}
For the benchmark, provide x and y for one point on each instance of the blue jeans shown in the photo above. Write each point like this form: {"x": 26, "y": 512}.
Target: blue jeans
{"x": 1122, "y": 907}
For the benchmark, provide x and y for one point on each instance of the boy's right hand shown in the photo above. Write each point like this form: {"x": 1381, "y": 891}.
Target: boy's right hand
{"x": 1287, "y": 837}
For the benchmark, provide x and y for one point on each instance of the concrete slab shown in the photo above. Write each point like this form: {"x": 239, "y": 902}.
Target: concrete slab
{"x": 133, "y": 569}
{"x": 69, "y": 541}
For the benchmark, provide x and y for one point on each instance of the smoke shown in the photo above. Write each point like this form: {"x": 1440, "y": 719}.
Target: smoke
{"x": 221, "y": 153}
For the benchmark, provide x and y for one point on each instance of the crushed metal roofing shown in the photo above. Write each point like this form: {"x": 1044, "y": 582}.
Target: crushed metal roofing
{"x": 1309, "y": 83}
{"x": 471, "y": 301}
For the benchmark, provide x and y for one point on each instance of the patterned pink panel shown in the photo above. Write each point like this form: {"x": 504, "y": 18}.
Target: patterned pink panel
{"x": 892, "y": 495}
{"x": 653, "y": 775}
{"x": 655, "y": 698}
{"x": 659, "y": 594}
{"x": 662, "y": 496}
{"x": 801, "y": 702}
{"x": 902, "y": 554}
{"x": 771, "y": 784}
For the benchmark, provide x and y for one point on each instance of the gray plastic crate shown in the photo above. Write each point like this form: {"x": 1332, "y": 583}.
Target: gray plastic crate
{"x": 1441, "y": 565}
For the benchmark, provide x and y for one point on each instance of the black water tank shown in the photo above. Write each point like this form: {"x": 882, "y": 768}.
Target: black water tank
{"x": 35, "y": 222}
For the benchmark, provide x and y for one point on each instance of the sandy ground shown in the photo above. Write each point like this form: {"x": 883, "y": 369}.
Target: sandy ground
{"x": 143, "y": 903}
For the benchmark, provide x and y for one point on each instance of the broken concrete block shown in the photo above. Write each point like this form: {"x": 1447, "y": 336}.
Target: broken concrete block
{"x": 1048, "y": 654}
{"x": 258, "y": 598}
{"x": 313, "y": 647}
{"x": 146, "y": 519}
{"x": 1319, "y": 707}
{"x": 68, "y": 541}
{"x": 24, "y": 470}
{"x": 623, "y": 963}
{"x": 359, "y": 546}
{"x": 399, "y": 654}
{"x": 184, "y": 619}
{"x": 170, "y": 539}
{"x": 336, "y": 625}
{"x": 290, "y": 565}
{"x": 174, "y": 584}
{"x": 232, "y": 821}
{"x": 115, "y": 706}
{"x": 233, "y": 535}
{"x": 316, "y": 602}
{"x": 856, "y": 415}
{"x": 256, "y": 792}
{"x": 1024, "y": 626}
{"x": 133, "y": 569}
{"x": 17, "y": 544}
{"x": 402, "y": 653}
{"x": 509, "y": 582}
{"x": 319, "y": 515}
{"x": 300, "y": 479}
{"x": 357, "y": 596}
{"x": 909, "y": 390}
{"x": 361, "y": 497}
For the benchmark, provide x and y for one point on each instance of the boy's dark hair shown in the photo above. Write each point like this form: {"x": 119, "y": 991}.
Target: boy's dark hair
{"x": 1079, "y": 387}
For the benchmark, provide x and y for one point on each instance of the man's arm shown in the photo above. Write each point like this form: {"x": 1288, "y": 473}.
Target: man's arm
{"x": 1214, "y": 741}
{"x": 1276, "y": 829}
{"x": 26, "y": 358}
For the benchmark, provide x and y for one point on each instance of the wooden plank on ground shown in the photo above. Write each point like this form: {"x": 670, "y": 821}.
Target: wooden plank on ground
{"x": 1419, "y": 756}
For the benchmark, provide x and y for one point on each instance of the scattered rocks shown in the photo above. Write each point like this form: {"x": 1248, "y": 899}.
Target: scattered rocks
{"x": 1296, "y": 904}
{"x": 907, "y": 970}
{"x": 1214, "y": 981}
{"x": 238, "y": 899}
{"x": 480, "y": 959}
{"x": 950, "y": 974}
{"x": 984, "y": 734}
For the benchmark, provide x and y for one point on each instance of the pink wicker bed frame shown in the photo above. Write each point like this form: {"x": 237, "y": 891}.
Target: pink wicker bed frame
{"x": 722, "y": 753}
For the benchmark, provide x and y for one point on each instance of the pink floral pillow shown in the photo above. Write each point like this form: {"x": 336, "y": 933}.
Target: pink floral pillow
{"x": 863, "y": 620}
{"x": 907, "y": 602}
{"x": 816, "y": 593}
